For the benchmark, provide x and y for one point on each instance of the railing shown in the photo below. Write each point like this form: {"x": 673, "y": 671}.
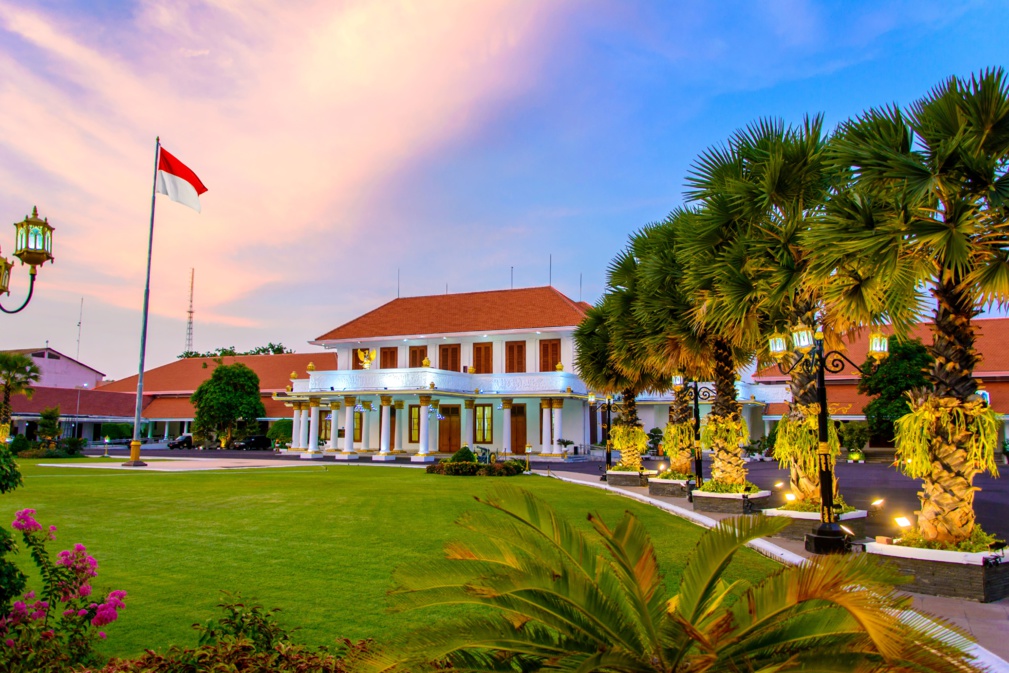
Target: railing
{"x": 420, "y": 378}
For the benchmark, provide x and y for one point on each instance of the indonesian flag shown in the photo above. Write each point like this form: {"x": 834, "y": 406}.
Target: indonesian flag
{"x": 178, "y": 182}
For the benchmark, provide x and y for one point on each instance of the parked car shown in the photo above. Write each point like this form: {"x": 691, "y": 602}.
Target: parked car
{"x": 254, "y": 443}
{"x": 181, "y": 442}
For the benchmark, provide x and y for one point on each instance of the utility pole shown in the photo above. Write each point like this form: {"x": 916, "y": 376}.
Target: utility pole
{"x": 189, "y": 325}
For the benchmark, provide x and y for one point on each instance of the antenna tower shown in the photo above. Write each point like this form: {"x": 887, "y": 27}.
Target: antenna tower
{"x": 189, "y": 325}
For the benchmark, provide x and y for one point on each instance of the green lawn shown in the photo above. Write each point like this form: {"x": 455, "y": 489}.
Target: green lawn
{"x": 319, "y": 543}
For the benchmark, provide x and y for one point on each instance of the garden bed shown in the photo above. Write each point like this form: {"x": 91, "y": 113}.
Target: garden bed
{"x": 730, "y": 503}
{"x": 674, "y": 488}
{"x": 804, "y": 522}
{"x": 977, "y": 576}
{"x": 628, "y": 479}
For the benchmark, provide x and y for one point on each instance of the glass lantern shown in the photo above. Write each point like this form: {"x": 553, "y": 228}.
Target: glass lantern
{"x": 677, "y": 380}
{"x": 33, "y": 240}
{"x": 802, "y": 338}
{"x": 777, "y": 343}
{"x": 879, "y": 345}
{"x": 5, "y": 275}
{"x": 592, "y": 398}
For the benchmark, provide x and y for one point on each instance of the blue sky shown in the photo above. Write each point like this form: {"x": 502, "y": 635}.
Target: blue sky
{"x": 449, "y": 140}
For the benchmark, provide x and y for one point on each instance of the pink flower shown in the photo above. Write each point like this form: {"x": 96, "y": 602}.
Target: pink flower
{"x": 52, "y": 532}
{"x": 9, "y": 642}
{"x": 101, "y": 634}
{"x": 82, "y": 612}
{"x": 24, "y": 521}
{"x": 84, "y": 591}
{"x": 30, "y": 595}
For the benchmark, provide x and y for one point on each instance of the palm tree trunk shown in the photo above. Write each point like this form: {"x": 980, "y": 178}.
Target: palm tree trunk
{"x": 727, "y": 464}
{"x": 629, "y": 403}
{"x": 952, "y": 375}
{"x": 681, "y": 410}
{"x": 5, "y": 408}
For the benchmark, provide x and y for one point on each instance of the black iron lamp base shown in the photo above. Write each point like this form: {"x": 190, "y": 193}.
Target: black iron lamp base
{"x": 828, "y": 538}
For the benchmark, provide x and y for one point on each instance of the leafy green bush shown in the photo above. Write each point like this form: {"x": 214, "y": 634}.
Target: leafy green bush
{"x": 711, "y": 486}
{"x": 509, "y": 468}
{"x": 20, "y": 443}
{"x": 977, "y": 542}
{"x": 811, "y": 505}
{"x": 903, "y": 370}
{"x": 654, "y": 439}
{"x": 117, "y": 430}
{"x": 854, "y": 435}
{"x": 281, "y": 431}
{"x": 463, "y": 455}
{"x": 72, "y": 446}
{"x": 620, "y": 467}
{"x": 676, "y": 476}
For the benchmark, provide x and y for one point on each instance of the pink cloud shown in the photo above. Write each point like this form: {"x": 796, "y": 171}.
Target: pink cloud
{"x": 293, "y": 114}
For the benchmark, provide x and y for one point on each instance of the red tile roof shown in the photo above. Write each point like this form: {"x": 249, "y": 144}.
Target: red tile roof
{"x": 992, "y": 337}
{"x": 163, "y": 408}
{"x": 78, "y": 402}
{"x": 185, "y": 376}
{"x": 498, "y": 310}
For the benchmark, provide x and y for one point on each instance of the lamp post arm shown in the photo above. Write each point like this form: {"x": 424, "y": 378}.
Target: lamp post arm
{"x": 833, "y": 362}
{"x": 31, "y": 290}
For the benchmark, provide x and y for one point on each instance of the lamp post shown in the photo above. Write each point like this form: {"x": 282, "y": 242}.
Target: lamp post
{"x": 828, "y": 537}
{"x": 695, "y": 394}
{"x": 33, "y": 245}
{"x": 609, "y": 437}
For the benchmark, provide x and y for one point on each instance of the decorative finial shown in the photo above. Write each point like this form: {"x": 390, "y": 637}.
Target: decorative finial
{"x": 559, "y": 367}
{"x": 294, "y": 375}
{"x": 311, "y": 367}
{"x": 35, "y": 211}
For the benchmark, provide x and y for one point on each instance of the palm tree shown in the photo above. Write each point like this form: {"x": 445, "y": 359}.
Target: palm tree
{"x": 17, "y": 374}
{"x": 552, "y": 597}
{"x": 919, "y": 215}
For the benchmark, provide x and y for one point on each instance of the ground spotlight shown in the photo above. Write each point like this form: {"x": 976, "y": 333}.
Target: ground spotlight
{"x": 790, "y": 497}
{"x": 779, "y": 484}
{"x": 902, "y": 521}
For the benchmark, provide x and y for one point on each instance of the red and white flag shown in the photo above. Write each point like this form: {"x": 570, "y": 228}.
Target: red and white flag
{"x": 178, "y": 182}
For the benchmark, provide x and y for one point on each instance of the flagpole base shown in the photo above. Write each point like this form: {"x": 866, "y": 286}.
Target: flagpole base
{"x": 134, "y": 460}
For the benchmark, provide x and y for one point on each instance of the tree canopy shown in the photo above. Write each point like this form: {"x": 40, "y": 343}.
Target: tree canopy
{"x": 902, "y": 371}
{"x": 223, "y": 351}
{"x": 227, "y": 402}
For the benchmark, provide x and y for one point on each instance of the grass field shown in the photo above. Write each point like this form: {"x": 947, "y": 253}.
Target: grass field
{"x": 319, "y": 543}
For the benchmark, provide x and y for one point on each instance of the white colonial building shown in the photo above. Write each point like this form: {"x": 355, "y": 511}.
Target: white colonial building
{"x": 426, "y": 375}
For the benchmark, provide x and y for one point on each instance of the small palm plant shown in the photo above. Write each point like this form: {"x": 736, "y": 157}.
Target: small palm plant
{"x": 552, "y": 597}
{"x": 17, "y": 374}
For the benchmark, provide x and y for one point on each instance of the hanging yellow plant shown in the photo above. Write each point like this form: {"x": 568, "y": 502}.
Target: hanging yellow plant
{"x": 798, "y": 439}
{"x": 631, "y": 441}
{"x": 971, "y": 426}
{"x": 678, "y": 442}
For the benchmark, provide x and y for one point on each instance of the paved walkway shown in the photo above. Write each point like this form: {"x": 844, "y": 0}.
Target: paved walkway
{"x": 988, "y": 623}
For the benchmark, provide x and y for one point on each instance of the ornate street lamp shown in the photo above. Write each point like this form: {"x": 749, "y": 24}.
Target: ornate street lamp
{"x": 33, "y": 245}
{"x": 828, "y": 537}
{"x": 694, "y": 394}
{"x": 609, "y": 437}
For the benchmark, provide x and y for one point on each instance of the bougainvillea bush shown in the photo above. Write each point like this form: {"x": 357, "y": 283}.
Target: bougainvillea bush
{"x": 55, "y": 629}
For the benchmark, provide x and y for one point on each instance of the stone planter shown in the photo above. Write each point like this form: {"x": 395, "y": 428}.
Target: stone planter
{"x": 981, "y": 576}
{"x": 673, "y": 488}
{"x": 629, "y": 479}
{"x": 730, "y": 503}
{"x": 805, "y": 522}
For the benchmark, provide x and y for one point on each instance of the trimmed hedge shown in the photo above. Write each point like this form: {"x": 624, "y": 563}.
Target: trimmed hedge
{"x": 463, "y": 455}
{"x": 508, "y": 468}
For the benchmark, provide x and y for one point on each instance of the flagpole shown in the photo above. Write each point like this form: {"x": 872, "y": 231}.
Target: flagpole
{"x": 134, "y": 460}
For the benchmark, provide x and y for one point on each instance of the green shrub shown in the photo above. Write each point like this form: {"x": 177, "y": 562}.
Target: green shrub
{"x": 72, "y": 446}
{"x": 676, "y": 476}
{"x": 19, "y": 444}
{"x": 117, "y": 430}
{"x": 281, "y": 431}
{"x": 718, "y": 487}
{"x": 463, "y": 455}
{"x": 840, "y": 506}
{"x": 509, "y": 468}
{"x": 854, "y": 435}
{"x": 977, "y": 542}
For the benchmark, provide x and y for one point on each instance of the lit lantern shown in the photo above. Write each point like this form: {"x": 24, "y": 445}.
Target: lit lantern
{"x": 677, "y": 380}
{"x": 802, "y": 338}
{"x": 5, "y": 275}
{"x": 592, "y": 398}
{"x": 879, "y": 345}
{"x": 33, "y": 240}
{"x": 777, "y": 343}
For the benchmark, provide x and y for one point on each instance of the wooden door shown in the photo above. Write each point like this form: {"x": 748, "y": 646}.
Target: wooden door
{"x": 449, "y": 428}
{"x": 518, "y": 428}
{"x": 483, "y": 354}
{"x": 388, "y": 358}
{"x": 515, "y": 357}
{"x": 550, "y": 354}
{"x": 448, "y": 357}
{"x": 417, "y": 355}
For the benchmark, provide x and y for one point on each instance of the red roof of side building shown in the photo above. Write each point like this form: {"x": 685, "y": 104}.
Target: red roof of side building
{"x": 176, "y": 408}
{"x": 184, "y": 376}
{"x": 498, "y": 310}
{"x": 78, "y": 402}
{"x": 992, "y": 337}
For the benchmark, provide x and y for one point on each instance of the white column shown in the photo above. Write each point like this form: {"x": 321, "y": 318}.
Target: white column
{"x": 313, "y": 426}
{"x": 546, "y": 442}
{"x": 334, "y": 425}
{"x": 558, "y": 405}
{"x": 166, "y": 430}
{"x": 366, "y": 426}
{"x": 467, "y": 422}
{"x": 397, "y": 407}
{"x": 385, "y": 428}
{"x": 767, "y": 428}
{"x": 433, "y": 444}
{"x": 599, "y": 423}
{"x": 586, "y": 426}
{"x": 506, "y": 430}
{"x": 303, "y": 427}
{"x": 422, "y": 453}
{"x": 296, "y": 426}
{"x": 348, "y": 424}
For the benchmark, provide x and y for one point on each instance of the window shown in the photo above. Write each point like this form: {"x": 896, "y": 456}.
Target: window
{"x": 417, "y": 355}
{"x": 414, "y": 423}
{"x": 484, "y": 418}
{"x": 388, "y": 358}
{"x": 515, "y": 357}
{"x": 358, "y": 422}
{"x": 483, "y": 354}
{"x": 550, "y": 354}
{"x": 448, "y": 357}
